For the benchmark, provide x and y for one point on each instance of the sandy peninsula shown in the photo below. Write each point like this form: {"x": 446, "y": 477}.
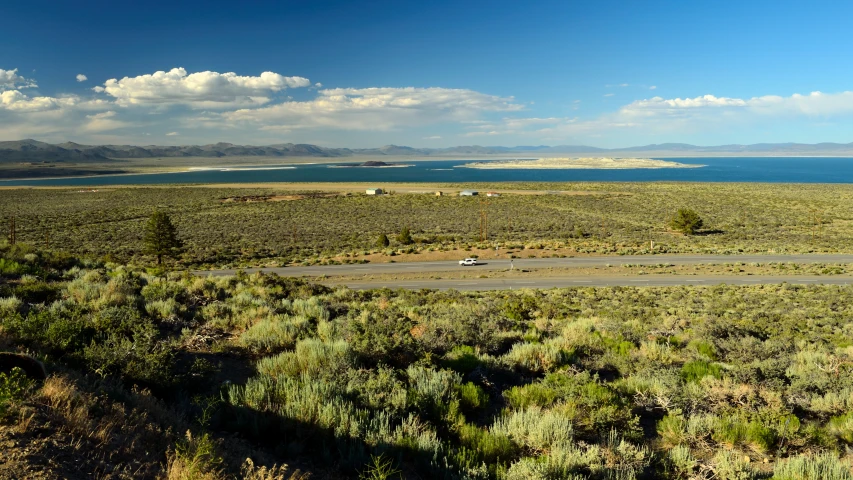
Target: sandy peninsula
{"x": 579, "y": 163}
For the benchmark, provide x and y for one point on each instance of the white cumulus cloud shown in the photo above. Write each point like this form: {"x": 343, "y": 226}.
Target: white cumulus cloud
{"x": 815, "y": 104}
{"x": 375, "y": 109}
{"x": 16, "y": 101}
{"x": 677, "y": 116}
{"x": 172, "y": 134}
{"x": 11, "y": 79}
{"x": 200, "y": 89}
{"x": 81, "y": 78}
{"x": 104, "y": 121}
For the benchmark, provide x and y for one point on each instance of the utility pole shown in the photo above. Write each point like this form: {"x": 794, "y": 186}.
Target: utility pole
{"x": 484, "y": 221}
{"x": 12, "y": 234}
{"x": 817, "y": 224}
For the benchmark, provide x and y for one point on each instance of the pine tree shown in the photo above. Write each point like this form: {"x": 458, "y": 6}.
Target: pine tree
{"x": 686, "y": 221}
{"x": 161, "y": 237}
{"x": 405, "y": 237}
{"x": 383, "y": 241}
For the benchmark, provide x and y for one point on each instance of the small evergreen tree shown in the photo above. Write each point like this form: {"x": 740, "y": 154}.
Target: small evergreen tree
{"x": 383, "y": 241}
{"x": 686, "y": 221}
{"x": 161, "y": 237}
{"x": 405, "y": 237}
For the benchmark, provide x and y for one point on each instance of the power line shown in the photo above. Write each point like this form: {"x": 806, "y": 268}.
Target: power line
{"x": 13, "y": 238}
{"x": 484, "y": 220}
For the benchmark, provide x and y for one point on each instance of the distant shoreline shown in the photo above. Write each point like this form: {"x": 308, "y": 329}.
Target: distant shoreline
{"x": 588, "y": 163}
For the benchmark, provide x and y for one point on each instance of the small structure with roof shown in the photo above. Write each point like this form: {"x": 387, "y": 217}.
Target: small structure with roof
{"x": 374, "y": 191}
{"x": 468, "y": 193}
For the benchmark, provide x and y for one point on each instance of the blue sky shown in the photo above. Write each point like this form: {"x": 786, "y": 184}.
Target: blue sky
{"x": 440, "y": 73}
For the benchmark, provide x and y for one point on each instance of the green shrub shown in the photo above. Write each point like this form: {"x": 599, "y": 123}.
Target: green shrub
{"x": 462, "y": 358}
{"x": 405, "y": 236}
{"x": 380, "y": 468}
{"x": 537, "y": 357}
{"x": 593, "y": 407}
{"x": 486, "y": 445}
{"x": 535, "y": 429}
{"x": 686, "y": 221}
{"x": 698, "y": 369}
{"x": 706, "y": 349}
{"x": 11, "y": 268}
{"x": 159, "y": 289}
{"x": 312, "y": 357}
{"x": 10, "y": 306}
{"x": 379, "y": 336}
{"x": 13, "y": 388}
{"x": 432, "y": 390}
{"x": 671, "y": 429}
{"x": 275, "y": 333}
{"x": 378, "y": 389}
{"x": 382, "y": 241}
{"x": 570, "y": 463}
{"x": 195, "y": 457}
{"x": 732, "y": 466}
{"x": 841, "y": 427}
{"x": 472, "y": 397}
{"x": 681, "y": 461}
{"x": 163, "y": 310}
{"x": 63, "y": 330}
{"x": 126, "y": 344}
{"x": 532, "y": 394}
{"x": 759, "y": 437}
{"x": 813, "y": 467}
{"x": 734, "y": 430}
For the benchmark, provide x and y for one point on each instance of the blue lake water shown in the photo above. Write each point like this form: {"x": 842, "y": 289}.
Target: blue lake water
{"x": 730, "y": 169}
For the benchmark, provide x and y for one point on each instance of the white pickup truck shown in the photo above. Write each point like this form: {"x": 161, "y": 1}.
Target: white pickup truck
{"x": 468, "y": 262}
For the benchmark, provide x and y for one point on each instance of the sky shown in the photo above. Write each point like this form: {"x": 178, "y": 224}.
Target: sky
{"x": 426, "y": 74}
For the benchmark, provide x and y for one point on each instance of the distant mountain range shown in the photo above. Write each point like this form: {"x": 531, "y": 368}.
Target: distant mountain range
{"x": 32, "y": 151}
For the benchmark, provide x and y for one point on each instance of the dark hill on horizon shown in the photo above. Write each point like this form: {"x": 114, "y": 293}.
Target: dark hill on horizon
{"x": 33, "y": 151}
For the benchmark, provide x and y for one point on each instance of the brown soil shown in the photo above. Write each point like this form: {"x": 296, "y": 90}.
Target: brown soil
{"x": 598, "y": 272}
{"x": 332, "y": 189}
{"x": 278, "y": 198}
{"x": 459, "y": 254}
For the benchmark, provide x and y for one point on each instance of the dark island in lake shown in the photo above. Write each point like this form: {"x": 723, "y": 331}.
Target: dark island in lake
{"x": 371, "y": 164}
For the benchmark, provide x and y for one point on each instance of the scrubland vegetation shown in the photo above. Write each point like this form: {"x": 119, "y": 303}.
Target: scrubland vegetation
{"x": 180, "y": 377}
{"x": 615, "y": 218}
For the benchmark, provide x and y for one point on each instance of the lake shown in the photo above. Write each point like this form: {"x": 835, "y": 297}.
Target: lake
{"x": 729, "y": 169}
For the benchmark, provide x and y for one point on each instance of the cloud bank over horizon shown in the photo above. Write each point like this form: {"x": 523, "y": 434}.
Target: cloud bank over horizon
{"x": 208, "y": 106}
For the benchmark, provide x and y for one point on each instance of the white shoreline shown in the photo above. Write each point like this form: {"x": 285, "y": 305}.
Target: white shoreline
{"x": 234, "y": 169}
{"x": 584, "y": 163}
{"x": 370, "y": 166}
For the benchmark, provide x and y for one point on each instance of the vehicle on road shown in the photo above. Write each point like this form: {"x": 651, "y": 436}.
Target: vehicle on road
{"x": 468, "y": 262}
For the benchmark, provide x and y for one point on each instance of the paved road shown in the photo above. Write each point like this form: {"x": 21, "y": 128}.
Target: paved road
{"x": 449, "y": 266}
{"x": 596, "y": 281}
{"x": 531, "y": 281}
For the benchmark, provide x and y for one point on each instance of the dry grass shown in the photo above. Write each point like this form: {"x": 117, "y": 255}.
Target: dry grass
{"x": 282, "y": 472}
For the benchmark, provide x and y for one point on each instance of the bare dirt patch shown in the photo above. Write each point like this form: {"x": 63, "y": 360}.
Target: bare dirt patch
{"x": 613, "y": 271}
{"x": 278, "y": 198}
